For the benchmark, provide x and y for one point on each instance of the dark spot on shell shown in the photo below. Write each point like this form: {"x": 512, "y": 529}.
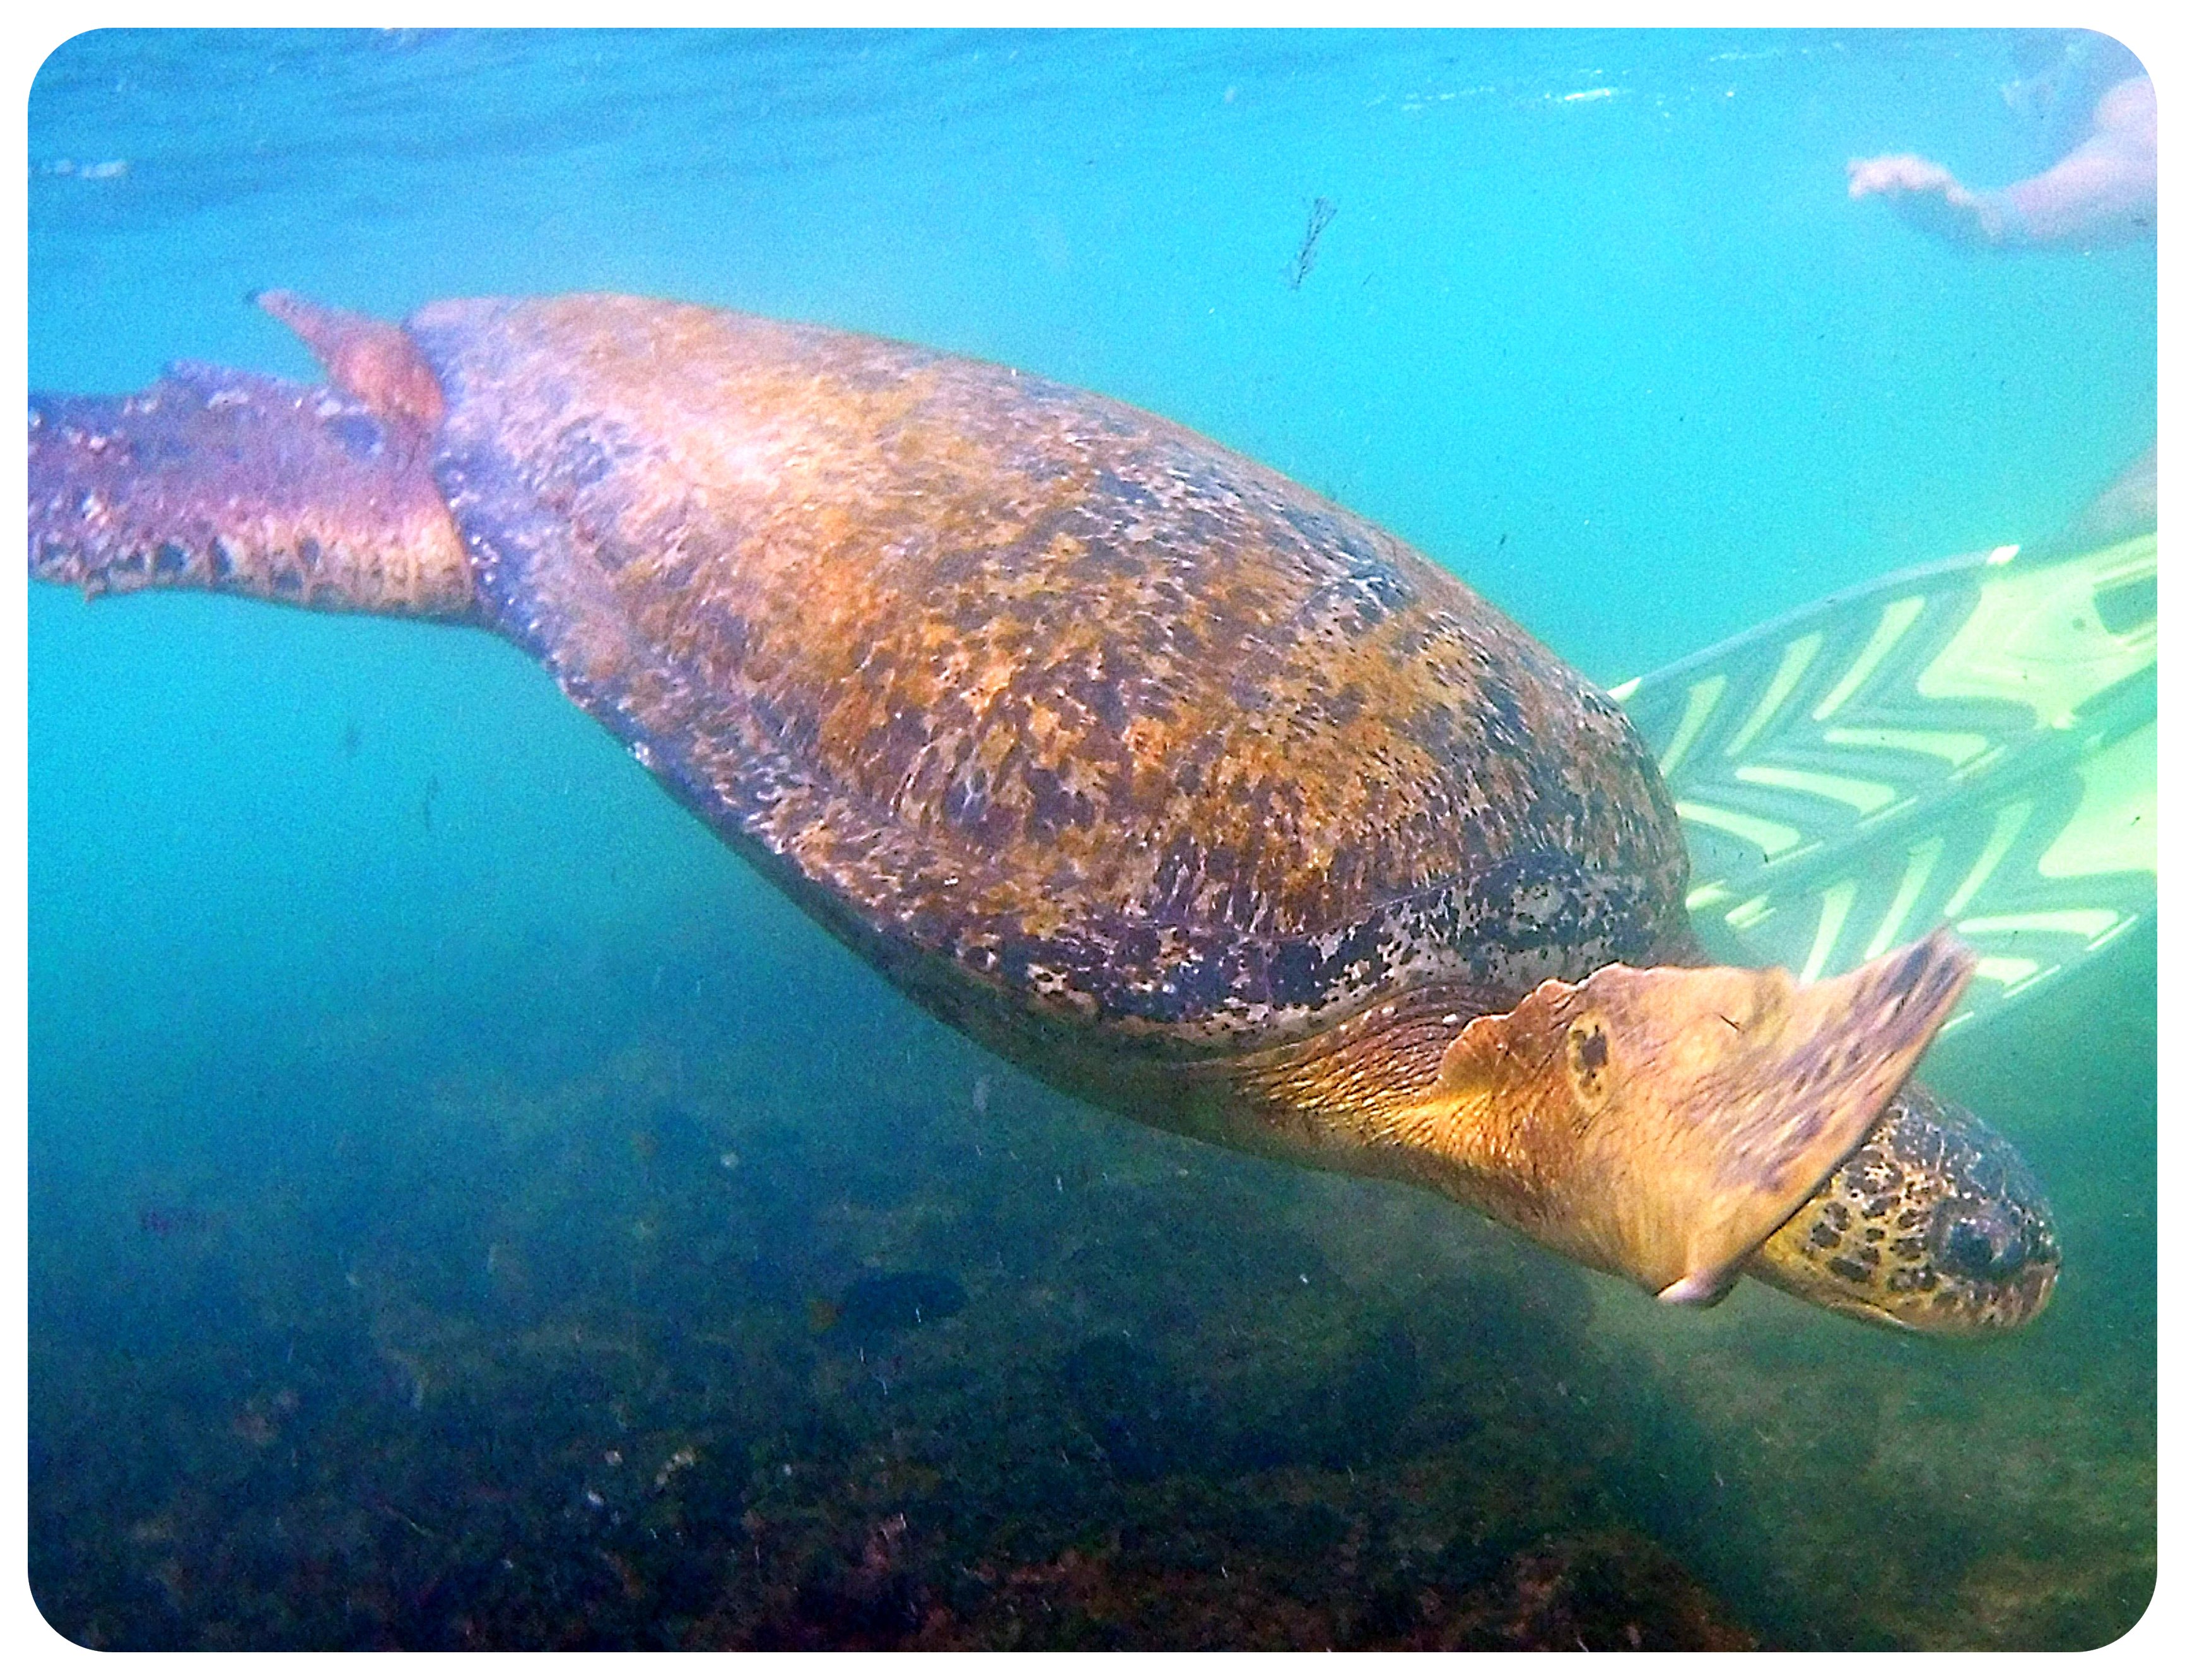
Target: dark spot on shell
{"x": 1114, "y": 487}
{"x": 1847, "y": 1268}
{"x": 583, "y": 458}
{"x": 612, "y": 554}
{"x": 358, "y": 434}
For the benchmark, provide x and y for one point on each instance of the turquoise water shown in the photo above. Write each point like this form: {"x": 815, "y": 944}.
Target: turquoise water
{"x": 423, "y": 1108}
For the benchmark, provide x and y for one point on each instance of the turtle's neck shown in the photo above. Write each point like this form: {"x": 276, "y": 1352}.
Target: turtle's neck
{"x": 1356, "y": 1075}
{"x": 1360, "y": 1097}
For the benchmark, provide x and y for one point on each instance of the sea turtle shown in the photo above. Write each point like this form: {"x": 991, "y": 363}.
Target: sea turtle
{"x": 1156, "y": 773}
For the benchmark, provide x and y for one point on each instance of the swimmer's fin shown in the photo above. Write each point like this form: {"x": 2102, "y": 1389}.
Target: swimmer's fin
{"x": 1969, "y": 741}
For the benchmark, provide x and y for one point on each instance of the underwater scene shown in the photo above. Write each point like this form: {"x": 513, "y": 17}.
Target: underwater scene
{"x": 472, "y": 1207}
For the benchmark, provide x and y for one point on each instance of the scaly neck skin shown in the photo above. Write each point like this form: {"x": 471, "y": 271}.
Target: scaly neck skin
{"x": 1366, "y": 1097}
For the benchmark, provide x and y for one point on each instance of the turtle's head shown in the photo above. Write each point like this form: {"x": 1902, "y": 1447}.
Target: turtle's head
{"x": 1932, "y": 1224}
{"x": 1664, "y": 1123}
{"x": 1684, "y": 1127}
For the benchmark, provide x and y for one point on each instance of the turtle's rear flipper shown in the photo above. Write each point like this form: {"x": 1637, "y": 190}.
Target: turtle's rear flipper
{"x": 217, "y": 480}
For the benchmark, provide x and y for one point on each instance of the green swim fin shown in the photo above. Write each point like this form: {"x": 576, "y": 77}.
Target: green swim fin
{"x": 1970, "y": 740}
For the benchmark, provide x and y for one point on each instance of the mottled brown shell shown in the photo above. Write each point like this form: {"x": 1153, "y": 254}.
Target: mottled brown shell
{"x": 1047, "y": 706}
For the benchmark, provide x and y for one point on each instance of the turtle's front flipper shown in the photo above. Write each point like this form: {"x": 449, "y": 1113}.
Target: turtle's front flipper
{"x": 1661, "y": 1123}
{"x": 217, "y": 480}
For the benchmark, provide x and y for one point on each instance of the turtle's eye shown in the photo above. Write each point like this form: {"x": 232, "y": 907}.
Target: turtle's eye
{"x": 1982, "y": 1243}
{"x": 1586, "y": 1053}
